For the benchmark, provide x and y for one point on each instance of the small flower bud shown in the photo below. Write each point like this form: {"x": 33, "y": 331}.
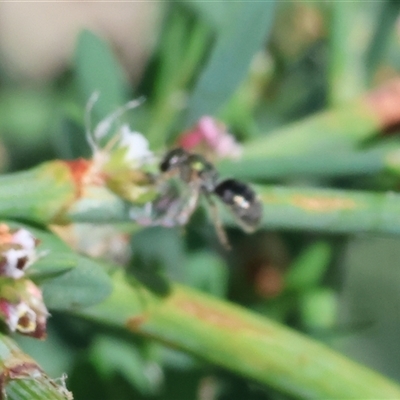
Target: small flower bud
{"x": 17, "y": 251}
{"x": 210, "y": 136}
{"x": 22, "y": 308}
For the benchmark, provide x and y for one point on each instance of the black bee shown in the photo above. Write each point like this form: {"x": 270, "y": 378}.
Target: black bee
{"x": 201, "y": 178}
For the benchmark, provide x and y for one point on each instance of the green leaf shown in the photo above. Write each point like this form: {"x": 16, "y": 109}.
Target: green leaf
{"x": 68, "y": 280}
{"x": 152, "y": 265}
{"x": 55, "y": 257}
{"x": 167, "y": 254}
{"x": 214, "y": 13}
{"x": 52, "y": 354}
{"x": 347, "y": 74}
{"x": 318, "y": 308}
{"x": 336, "y": 129}
{"x": 369, "y": 299}
{"x": 111, "y": 356}
{"x": 244, "y": 31}
{"x": 98, "y": 70}
{"x": 385, "y": 31}
{"x": 308, "y": 269}
{"x": 184, "y": 44}
{"x": 207, "y": 272}
{"x": 84, "y": 285}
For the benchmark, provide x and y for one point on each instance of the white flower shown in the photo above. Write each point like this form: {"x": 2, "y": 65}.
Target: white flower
{"x": 22, "y": 319}
{"x": 15, "y": 262}
{"x": 25, "y": 239}
{"x": 20, "y": 254}
{"x": 137, "y": 145}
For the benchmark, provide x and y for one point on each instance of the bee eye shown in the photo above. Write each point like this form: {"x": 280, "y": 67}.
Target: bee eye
{"x": 173, "y": 159}
{"x": 165, "y": 165}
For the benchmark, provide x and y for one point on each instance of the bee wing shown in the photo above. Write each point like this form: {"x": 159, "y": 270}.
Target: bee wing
{"x": 242, "y": 201}
{"x": 173, "y": 207}
{"x": 189, "y": 202}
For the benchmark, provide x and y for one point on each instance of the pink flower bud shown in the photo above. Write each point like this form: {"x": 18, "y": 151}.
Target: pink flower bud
{"x": 210, "y": 136}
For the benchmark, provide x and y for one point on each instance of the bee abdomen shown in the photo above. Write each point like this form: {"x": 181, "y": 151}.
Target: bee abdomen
{"x": 242, "y": 201}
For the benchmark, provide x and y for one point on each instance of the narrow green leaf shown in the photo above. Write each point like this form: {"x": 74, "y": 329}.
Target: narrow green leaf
{"x": 336, "y": 129}
{"x": 113, "y": 356}
{"x": 244, "y": 32}
{"x": 55, "y": 257}
{"x": 98, "y": 70}
{"x": 349, "y": 32}
{"x": 215, "y": 13}
{"x": 385, "y": 30}
{"x": 369, "y": 299}
{"x": 319, "y": 308}
{"x": 308, "y": 269}
{"x": 183, "y": 46}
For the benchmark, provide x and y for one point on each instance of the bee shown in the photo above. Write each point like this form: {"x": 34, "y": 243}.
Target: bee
{"x": 202, "y": 179}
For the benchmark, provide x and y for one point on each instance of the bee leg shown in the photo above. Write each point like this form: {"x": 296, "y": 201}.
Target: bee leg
{"x": 188, "y": 205}
{"x": 219, "y": 228}
{"x": 170, "y": 209}
{"x": 142, "y": 214}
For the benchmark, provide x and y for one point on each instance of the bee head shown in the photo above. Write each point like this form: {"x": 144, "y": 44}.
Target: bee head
{"x": 173, "y": 159}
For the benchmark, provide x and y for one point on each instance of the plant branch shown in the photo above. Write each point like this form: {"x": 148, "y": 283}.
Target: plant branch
{"x": 239, "y": 340}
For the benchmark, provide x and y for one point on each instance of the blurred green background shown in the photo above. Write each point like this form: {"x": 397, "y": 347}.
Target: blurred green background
{"x": 257, "y": 66}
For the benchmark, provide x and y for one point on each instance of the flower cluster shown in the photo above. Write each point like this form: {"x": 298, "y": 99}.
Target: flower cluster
{"x": 21, "y": 303}
{"x": 121, "y": 162}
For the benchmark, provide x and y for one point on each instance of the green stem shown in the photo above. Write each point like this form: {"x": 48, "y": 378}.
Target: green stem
{"x": 48, "y": 194}
{"x": 39, "y": 194}
{"x": 315, "y": 165}
{"x": 230, "y": 336}
{"x": 330, "y": 210}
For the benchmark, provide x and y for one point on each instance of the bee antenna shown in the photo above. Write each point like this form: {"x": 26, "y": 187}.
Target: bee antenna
{"x": 103, "y": 126}
{"x": 88, "y": 119}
